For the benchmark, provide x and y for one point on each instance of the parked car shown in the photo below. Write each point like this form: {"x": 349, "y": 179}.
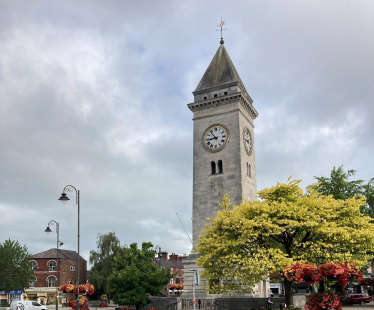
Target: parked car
{"x": 27, "y": 305}
{"x": 358, "y": 299}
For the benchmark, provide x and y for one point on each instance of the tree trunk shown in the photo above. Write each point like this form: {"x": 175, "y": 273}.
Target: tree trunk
{"x": 321, "y": 287}
{"x": 288, "y": 291}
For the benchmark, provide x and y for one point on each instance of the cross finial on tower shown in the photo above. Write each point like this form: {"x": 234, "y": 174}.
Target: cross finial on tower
{"x": 220, "y": 25}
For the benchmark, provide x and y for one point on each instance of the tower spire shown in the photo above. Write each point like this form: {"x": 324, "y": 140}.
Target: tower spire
{"x": 220, "y": 25}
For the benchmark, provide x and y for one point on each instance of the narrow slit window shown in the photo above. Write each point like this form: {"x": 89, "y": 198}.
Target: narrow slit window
{"x": 215, "y": 95}
{"x": 220, "y": 166}
{"x": 249, "y": 171}
{"x": 205, "y": 98}
{"x": 213, "y": 167}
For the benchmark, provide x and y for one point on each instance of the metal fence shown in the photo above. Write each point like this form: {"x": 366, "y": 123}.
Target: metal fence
{"x": 200, "y": 303}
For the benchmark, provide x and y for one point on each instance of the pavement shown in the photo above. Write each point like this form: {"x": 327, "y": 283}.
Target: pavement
{"x": 368, "y": 306}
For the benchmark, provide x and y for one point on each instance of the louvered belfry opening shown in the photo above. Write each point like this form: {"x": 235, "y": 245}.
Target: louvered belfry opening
{"x": 220, "y": 166}
{"x": 213, "y": 167}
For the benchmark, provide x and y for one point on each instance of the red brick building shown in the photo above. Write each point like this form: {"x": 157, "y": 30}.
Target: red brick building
{"x": 174, "y": 262}
{"x": 45, "y": 273}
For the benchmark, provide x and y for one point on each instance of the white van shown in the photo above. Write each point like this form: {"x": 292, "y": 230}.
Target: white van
{"x": 26, "y": 305}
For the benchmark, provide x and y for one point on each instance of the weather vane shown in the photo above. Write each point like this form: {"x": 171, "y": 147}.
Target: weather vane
{"x": 220, "y": 25}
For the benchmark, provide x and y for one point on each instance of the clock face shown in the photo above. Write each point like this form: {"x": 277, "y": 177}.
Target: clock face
{"x": 215, "y": 138}
{"x": 247, "y": 141}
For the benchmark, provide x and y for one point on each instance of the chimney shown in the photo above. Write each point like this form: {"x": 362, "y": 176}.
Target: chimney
{"x": 174, "y": 256}
{"x": 164, "y": 255}
{"x": 181, "y": 257}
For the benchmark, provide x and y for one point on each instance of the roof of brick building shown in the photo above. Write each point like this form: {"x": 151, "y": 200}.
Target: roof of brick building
{"x": 62, "y": 254}
{"x": 168, "y": 263}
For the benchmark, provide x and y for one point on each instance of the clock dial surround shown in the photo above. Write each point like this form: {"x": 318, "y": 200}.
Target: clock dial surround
{"x": 247, "y": 140}
{"x": 215, "y": 137}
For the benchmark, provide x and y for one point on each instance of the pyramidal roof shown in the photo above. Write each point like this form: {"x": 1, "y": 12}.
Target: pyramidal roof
{"x": 220, "y": 72}
{"x": 62, "y": 254}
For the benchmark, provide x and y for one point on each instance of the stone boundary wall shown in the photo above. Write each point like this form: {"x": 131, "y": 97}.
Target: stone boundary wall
{"x": 164, "y": 303}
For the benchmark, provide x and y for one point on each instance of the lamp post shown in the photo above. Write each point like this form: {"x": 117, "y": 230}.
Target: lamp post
{"x": 48, "y": 231}
{"x": 195, "y": 277}
{"x": 64, "y": 198}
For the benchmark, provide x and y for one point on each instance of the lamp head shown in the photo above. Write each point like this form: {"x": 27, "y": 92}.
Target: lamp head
{"x": 48, "y": 230}
{"x": 64, "y": 198}
{"x": 61, "y": 243}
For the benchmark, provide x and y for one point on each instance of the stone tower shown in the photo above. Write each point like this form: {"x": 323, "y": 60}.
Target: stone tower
{"x": 223, "y": 141}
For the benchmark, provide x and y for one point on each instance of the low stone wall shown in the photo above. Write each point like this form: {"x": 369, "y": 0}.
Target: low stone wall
{"x": 245, "y": 303}
{"x": 164, "y": 303}
{"x": 299, "y": 300}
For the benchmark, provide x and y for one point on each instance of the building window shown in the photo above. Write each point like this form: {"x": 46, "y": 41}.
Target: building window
{"x": 220, "y": 166}
{"x": 213, "y": 167}
{"x": 225, "y": 93}
{"x": 172, "y": 281}
{"x": 205, "y": 98}
{"x": 72, "y": 268}
{"x": 177, "y": 280}
{"x": 215, "y": 95}
{"x": 33, "y": 282}
{"x": 52, "y": 266}
{"x": 33, "y": 265}
{"x": 51, "y": 282}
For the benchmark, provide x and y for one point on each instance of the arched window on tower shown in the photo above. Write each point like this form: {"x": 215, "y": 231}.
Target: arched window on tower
{"x": 220, "y": 166}
{"x": 249, "y": 170}
{"x": 213, "y": 167}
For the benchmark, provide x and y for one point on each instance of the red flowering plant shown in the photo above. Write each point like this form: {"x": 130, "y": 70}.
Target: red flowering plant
{"x": 353, "y": 271}
{"x": 341, "y": 272}
{"x": 325, "y": 300}
{"x": 171, "y": 287}
{"x": 303, "y": 273}
{"x": 68, "y": 288}
{"x": 84, "y": 289}
{"x": 82, "y": 303}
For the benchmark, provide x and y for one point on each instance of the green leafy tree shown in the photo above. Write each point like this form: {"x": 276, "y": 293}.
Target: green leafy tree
{"x": 108, "y": 247}
{"x": 15, "y": 270}
{"x": 135, "y": 277}
{"x": 243, "y": 245}
{"x": 340, "y": 187}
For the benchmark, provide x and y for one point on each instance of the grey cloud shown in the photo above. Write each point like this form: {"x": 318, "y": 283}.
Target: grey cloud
{"x": 94, "y": 94}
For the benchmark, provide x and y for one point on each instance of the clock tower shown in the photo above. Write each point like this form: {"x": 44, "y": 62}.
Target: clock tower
{"x": 223, "y": 141}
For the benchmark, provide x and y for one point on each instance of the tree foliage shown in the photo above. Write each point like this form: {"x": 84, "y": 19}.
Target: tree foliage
{"x": 340, "y": 187}
{"x": 135, "y": 277}
{"x": 242, "y": 246}
{"x": 108, "y": 247}
{"x": 15, "y": 271}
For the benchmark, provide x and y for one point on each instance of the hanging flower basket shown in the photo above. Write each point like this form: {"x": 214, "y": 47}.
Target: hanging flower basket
{"x": 82, "y": 303}
{"x": 303, "y": 273}
{"x": 341, "y": 272}
{"x": 326, "y": 300}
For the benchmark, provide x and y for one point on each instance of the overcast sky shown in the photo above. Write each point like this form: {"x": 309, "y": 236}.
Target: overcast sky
{"x": 94, "y": 94}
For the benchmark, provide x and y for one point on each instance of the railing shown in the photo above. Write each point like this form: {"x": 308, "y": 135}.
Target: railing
{"x": 200, "y": 304}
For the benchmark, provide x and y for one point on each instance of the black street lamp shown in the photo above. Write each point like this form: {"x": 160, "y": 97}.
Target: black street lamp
{"x": 48, "y": 231}
{"x": 64, "y": 198}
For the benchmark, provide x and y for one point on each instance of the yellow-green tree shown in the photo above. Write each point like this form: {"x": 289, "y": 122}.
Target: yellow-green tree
{"x": 242, "y": 245}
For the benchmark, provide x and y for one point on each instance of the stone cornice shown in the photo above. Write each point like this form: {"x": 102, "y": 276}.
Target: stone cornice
{"x": 216, "y": 102}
